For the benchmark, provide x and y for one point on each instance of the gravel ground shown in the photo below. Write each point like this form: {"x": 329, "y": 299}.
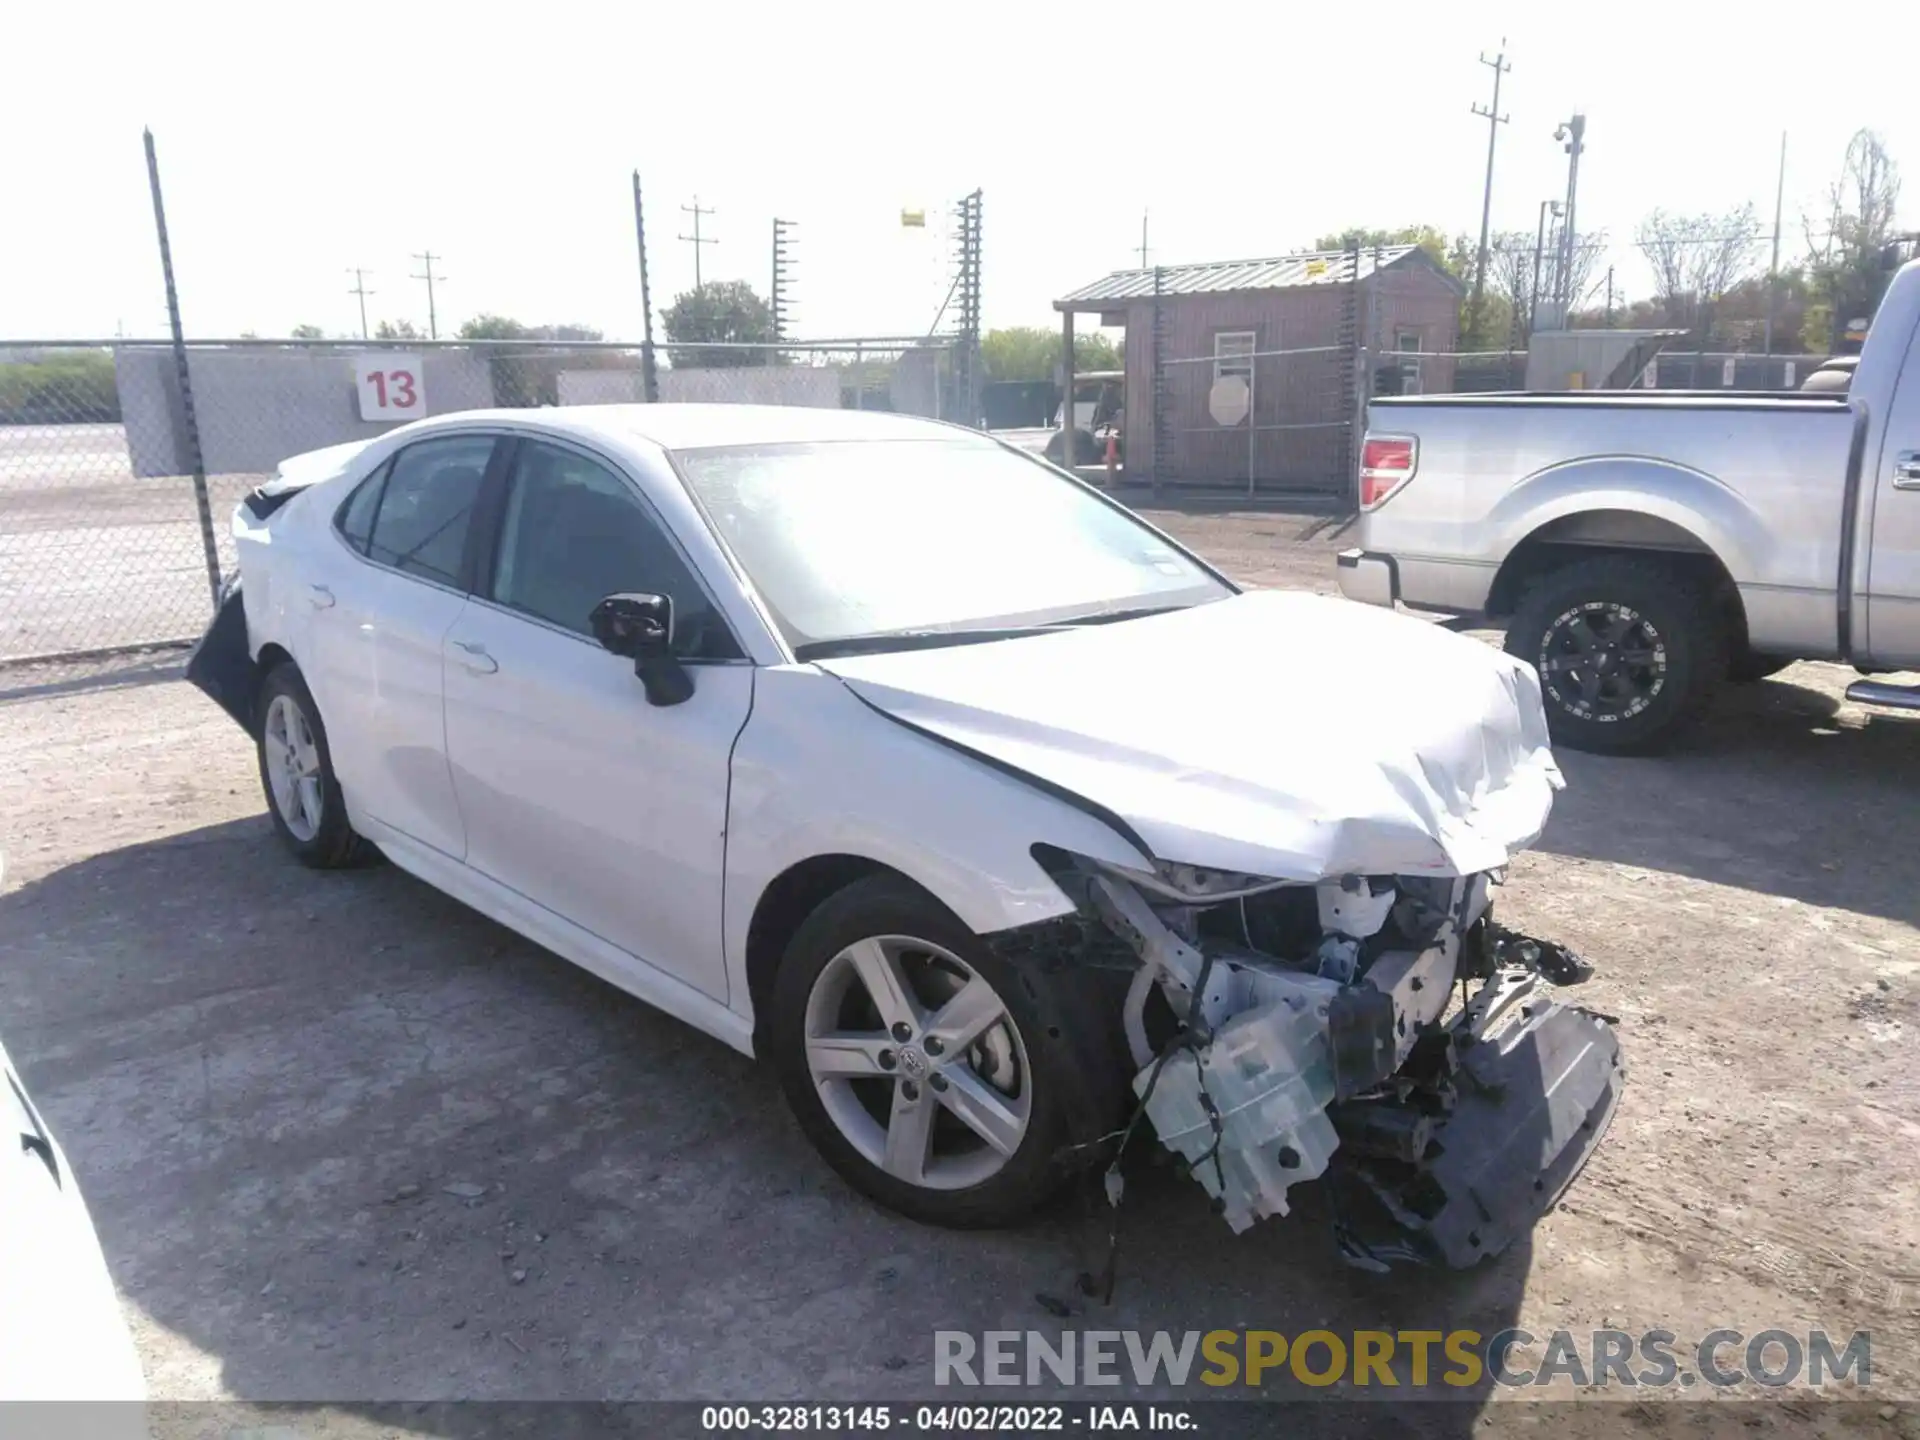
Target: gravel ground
{"x": 347, "y": 1141}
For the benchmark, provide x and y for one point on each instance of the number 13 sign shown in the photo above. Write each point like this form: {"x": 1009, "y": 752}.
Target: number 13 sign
{"x": 390, "y": 387}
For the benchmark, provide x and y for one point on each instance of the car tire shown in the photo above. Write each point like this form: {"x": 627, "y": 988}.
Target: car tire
{"x": 1670, "y": 651}
{"x": 1086, "y": 449}
{"x": 290, "y": 736}
{"x": 1062, "y": 1030}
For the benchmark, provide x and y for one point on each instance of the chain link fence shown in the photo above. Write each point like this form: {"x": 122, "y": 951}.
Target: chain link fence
{"x": 1266, "y": 421}
{"x": 104, "y": 557}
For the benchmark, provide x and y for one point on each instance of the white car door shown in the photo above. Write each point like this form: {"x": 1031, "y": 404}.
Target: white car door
{"x": 383, "y": 603}
{"x": 575, "y": 791}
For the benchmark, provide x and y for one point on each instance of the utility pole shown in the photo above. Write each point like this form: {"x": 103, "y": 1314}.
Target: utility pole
{"x": 1143, "y": 239}
{"x": 1539, "y": 247}
{"x": 696, "y": 239}
{"x": 1574, "y": 133}
{"x": 782, "y": 275}
{"x": 426, "y": 258}
{"x": 359, "y": 287}
{"x": 1609, "y": 297}
{"x": 1773, "y": 268}
{"x": 1491, "y": 114}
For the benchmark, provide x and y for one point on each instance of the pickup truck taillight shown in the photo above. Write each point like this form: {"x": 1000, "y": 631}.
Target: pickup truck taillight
{"x": 1386, "y": 463}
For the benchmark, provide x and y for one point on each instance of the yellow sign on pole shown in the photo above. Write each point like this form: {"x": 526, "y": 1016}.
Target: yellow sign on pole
{"x": 914, "y": 219}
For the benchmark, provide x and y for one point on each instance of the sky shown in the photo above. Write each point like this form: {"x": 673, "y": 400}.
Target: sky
{"x": 297, "y": 140}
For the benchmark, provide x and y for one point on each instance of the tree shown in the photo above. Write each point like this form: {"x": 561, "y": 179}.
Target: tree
{"x": 307, "y": 332}
{"x": 719, "y": 311}
{"x": 1455, "y": 256}
{"x": 494, "y": 327}
{"x": 1845, "y": 266}
{"x": 1695, "y": 260}
{"x": 1028, "y": 352}
{"x": 396, "y": 330}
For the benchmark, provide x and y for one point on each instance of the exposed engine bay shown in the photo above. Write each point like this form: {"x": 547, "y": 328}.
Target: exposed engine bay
{"x": 1382, "y": 1031}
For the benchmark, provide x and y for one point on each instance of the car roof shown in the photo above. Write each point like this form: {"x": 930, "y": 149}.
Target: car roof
{"x": 698, "y": 427}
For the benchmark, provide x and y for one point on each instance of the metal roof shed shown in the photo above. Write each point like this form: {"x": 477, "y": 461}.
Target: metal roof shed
{"x": 1289, "y": 327}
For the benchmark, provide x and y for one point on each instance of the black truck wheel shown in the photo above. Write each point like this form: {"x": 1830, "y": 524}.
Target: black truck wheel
{"x": 1630, "y": 651}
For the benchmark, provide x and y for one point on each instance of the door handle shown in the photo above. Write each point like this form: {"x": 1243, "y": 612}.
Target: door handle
{"x": 1906, "y": 470}
{"x": 477, "y": 661}
{"x": 321, "y": 597}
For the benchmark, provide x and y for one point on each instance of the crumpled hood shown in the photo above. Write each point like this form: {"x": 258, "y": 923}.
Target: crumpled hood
{"x": 1274, "y": 733}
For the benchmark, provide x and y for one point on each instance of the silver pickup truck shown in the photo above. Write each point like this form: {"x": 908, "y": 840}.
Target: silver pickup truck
{"x": 1644, "y": 548}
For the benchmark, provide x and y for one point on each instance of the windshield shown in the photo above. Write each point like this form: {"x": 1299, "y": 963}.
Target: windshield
{"x": 895, "y": 538}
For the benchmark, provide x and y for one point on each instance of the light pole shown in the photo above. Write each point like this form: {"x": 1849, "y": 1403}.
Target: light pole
{"x": 1573, "y": 132}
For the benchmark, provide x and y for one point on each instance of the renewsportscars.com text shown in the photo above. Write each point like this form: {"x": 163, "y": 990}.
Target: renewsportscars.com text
{"x": 1411, "y": 1359}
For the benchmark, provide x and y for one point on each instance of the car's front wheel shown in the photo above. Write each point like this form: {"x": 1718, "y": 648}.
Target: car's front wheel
{"x": 936, "y": 1076}
{"x": 296, "y": 771}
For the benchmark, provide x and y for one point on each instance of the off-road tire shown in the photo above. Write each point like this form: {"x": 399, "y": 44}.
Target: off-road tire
{"x": 1068, "y": 1028}
{"x": 1678, "y": 609}
{"x": 334, "y": 844}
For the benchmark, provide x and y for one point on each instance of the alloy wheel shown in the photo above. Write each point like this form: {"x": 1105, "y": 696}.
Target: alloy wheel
{"x": 1603, "y": 661}
{"x": 293, "y": 768}
{"x": 917, "y": 1062}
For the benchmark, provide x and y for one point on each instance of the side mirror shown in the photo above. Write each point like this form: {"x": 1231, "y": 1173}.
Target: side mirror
{"x": 640, "y": 627}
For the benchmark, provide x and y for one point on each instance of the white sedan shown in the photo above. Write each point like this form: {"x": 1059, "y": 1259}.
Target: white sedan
{"x": 899, "y": 756}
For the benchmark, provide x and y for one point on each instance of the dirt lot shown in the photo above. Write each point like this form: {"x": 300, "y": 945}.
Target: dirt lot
{"x": 267, "y": 1080}
{"x": 90, "y": 556}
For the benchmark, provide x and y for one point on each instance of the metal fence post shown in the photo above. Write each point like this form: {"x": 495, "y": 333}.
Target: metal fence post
{"x": 649, "y": 372}
{"x": 1359, "y": 368}
{"x": 194, "y": 457}
{"x": 1253, "y": 413}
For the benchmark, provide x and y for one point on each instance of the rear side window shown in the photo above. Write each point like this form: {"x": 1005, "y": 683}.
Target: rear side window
{"x": 355, "y": 518}
{"x": 420, "y": 523}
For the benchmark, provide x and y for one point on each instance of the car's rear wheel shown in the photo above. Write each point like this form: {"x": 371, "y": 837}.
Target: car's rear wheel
{"x": 935, "y": 1076}
{"x": 1630, "y": 651}
{"x": 296, "y": 771}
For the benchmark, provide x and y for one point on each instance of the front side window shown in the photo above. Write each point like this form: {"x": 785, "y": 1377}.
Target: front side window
{"x": 574, "y": 533}
{"x": 868, "y": 540}
{"x": 426, "y": 506}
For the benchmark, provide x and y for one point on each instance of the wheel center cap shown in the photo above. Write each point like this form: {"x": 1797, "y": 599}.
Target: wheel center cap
{"x": 913, "y": 1064}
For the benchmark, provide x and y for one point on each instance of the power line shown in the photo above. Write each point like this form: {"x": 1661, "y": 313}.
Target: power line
{"x": 426, "y": 258}
{"x": 359, "y": 287}
{"x": 697, "y": 239}
{"x": 1491, "y": 114}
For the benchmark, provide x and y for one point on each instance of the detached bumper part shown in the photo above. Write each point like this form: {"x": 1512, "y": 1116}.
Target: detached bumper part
{"x": 1532, "y": 1103}
{"x": 1371, "y": 579}
{"x": 221, "y": 666}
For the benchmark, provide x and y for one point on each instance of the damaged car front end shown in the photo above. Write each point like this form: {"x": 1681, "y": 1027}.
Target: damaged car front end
{"x": 1318, "y": 986}
{"x": 1381, "y": 1031}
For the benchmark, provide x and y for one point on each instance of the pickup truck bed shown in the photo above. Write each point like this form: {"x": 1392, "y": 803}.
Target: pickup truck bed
{"x": 1645, "y": 546}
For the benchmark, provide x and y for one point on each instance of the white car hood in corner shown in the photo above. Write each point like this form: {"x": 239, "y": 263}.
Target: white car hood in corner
{"x": 1273, "y": 733}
